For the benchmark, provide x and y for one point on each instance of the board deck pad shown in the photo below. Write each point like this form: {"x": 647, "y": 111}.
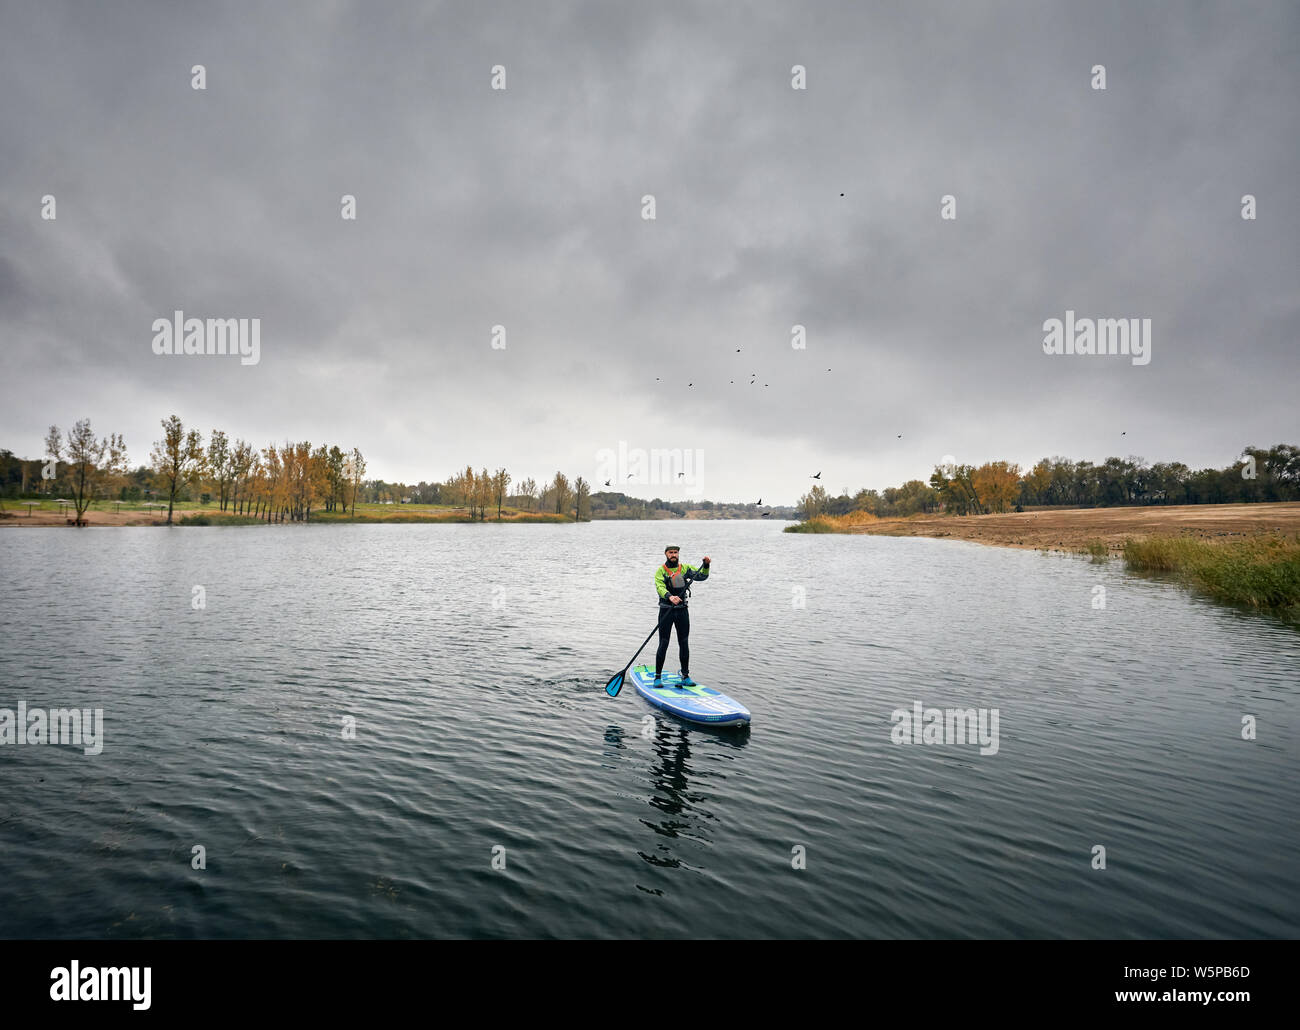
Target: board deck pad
{"x": 698, "y": 703}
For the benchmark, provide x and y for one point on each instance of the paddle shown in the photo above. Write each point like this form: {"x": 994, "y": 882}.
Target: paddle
{"x": 615, "y": 683}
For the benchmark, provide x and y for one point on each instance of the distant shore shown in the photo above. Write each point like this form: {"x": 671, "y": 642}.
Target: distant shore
{"x": 107, "y": 513}
{"x": 1081, "y": 529}
{"x": 15, "y": 514}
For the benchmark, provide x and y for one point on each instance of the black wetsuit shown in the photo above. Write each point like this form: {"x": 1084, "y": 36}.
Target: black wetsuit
{"x": 671, "y": 615}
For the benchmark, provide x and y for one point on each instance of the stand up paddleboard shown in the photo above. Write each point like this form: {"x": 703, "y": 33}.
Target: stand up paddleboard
{"x": 697, "y": 703}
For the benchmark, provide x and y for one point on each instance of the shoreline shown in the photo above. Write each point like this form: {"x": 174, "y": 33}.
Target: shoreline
{"x": 1242, "y": 554}
{"x": 1082, "y": 529}
{"x": 213, "y": 517}
{"x": 47, "y": 519}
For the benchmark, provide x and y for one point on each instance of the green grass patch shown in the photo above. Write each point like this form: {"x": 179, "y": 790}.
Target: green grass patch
{"x": 210, "y": 519}
{"x": 818, "y": 525}
{"x": 1259, "y": 572}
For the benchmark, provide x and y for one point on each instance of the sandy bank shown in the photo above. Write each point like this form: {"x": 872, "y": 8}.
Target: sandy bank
{"x": 1071, "y": 529}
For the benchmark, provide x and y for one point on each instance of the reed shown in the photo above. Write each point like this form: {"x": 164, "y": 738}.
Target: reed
{"x": 1260, "y": 572}
{"x": 833, "y": 523}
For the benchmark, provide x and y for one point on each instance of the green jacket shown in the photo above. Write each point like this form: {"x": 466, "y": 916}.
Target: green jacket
{"x": 661, "y": 583}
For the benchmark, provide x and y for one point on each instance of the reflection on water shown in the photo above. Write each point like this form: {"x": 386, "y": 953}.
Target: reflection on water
{"x": 670, "y": 796}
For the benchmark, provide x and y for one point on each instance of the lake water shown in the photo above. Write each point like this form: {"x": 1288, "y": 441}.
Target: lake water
{"x": 472, "y": 659}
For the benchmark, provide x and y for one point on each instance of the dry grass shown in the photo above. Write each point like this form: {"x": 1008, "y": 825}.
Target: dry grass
{"x": 1262, "y": 572}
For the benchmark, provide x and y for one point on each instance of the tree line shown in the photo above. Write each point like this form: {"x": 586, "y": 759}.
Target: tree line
{"x": 1260, "y": 474}
{"x": 283, "y": 483}
{"x": 479, "y": 493}
{"x": 278, "y": 484}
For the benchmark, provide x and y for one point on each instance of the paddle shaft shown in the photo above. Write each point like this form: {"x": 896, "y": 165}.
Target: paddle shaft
{"x": 647, "y": 640}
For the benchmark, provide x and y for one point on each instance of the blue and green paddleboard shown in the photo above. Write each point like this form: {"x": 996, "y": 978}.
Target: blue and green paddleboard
{"x": 697, "y": 703}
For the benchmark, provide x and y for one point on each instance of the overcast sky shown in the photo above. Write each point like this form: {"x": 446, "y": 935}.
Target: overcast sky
{"x": 774, "y": 207}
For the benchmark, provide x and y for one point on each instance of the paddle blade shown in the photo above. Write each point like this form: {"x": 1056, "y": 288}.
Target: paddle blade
{"x": 615, "y": 684}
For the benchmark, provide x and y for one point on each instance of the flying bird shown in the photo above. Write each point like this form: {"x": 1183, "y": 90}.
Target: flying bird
{"x": 818, "y": 476}
{"x": 760, "y": 502}
{"x": 607, "y": 482}
{"x": 766, "y": 514}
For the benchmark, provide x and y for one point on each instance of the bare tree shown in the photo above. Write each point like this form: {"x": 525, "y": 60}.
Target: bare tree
{"x": 242, "y": 460}
{"x": 582, "y": 499}
{"x": 177, "y": 458}
{"x": 484, "y": 489}
{"x": 220, "y": 466}
{"x": 560, "y": 486}
{"x": 92, "y": 462}
{"x": 356, "y": 468}
{"x": 500, "y": 481}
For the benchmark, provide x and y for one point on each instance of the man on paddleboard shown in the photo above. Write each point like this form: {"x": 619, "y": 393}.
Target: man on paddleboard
{"x": 672, "y": 582}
